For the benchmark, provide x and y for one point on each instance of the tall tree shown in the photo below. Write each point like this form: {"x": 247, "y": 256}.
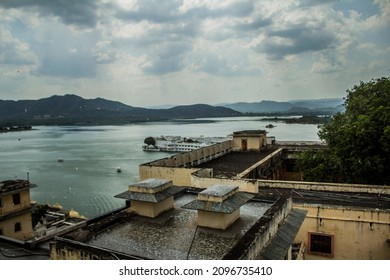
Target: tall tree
{"x": 358, "y": 140}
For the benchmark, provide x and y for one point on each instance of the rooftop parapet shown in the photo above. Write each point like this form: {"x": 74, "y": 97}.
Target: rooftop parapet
{"x": 249, "y": 132}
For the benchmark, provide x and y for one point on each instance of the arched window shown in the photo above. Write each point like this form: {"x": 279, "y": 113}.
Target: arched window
{"x": 18, "y": 227}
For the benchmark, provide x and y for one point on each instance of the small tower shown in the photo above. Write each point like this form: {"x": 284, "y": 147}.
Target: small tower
{"x": 150, "y": 197}
{"x": 218, "y": 206}
{"x": 249, "y": 140}
{"x": 15, "y": 209}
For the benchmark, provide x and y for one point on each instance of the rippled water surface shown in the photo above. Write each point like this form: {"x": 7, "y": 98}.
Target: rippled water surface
{"x": 87, "y": 180}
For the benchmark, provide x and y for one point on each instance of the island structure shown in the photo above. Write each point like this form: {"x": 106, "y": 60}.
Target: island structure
{"x": 170, "y": 143}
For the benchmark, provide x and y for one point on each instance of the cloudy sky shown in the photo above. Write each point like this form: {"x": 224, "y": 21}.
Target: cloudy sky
{"x": 147, "y": 53}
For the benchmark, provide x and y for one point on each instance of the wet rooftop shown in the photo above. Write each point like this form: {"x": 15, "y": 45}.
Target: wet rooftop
{"x": 228, "y": 206}
{"x": 234, "y": 163}
{"x": 175, "y": 234}
{"x": 150, "y": 185}
{"x": 217, "y": 191}
{"x": 10, "y": 186}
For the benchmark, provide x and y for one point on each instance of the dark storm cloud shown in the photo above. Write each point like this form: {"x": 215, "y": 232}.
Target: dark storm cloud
{"x": 74, "y": 12}
{"x": 253, "y": 25}
{"x": 281, "y": 43}
{"x": 169, "y": 11}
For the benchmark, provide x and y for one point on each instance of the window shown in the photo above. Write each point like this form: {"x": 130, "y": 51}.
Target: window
{"x": 1, "y": 231}
{"x": 0, "y": 202}
{"x": 16, "y": 199}
{"x": 321, "y": 244}
{"x": 18, "y": 227}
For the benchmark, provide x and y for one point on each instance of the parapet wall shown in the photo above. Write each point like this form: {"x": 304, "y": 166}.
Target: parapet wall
{"x": 244, "y": 185}
{"x": 329, "y": 187}
{"x": 179, "y": 168}
{"x": 195, "y": 157}
{"x": 255, "y": 239}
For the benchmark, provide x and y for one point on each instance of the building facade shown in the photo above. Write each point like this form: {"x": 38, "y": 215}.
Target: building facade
{"x": 15, "y": 209}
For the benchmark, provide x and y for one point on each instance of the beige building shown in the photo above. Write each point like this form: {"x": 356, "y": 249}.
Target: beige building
{"x": 15, "y": 209}
{"x": 344, "y": 221}
{"x": 217, "y": 223}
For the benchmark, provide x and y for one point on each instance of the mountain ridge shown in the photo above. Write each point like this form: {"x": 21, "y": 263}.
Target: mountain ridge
{"x": 325, "y": 105}
{"x": 73, "y": 109}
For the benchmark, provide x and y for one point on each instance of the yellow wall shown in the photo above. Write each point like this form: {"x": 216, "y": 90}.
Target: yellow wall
{"x": 7, "y": 204}
{"x": 359, "y": 234}
{"x": 8, "y": 227}
{"x": 178, "y": 176}
{"x": 149, "y": 209}
{"x": 217, "y": 220}
{"x": 253, "y": 142}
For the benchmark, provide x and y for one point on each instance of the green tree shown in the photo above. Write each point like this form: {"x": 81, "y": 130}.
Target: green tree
{"x": 358, "y": 140}
{"x": 150, "y": 141}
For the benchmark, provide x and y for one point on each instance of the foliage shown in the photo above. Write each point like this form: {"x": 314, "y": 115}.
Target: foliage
{"x": 358, "y": 140}
{"x": 150, "y": 141}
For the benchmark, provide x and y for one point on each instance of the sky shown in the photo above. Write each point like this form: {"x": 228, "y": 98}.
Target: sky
{"x": 147, "y": 53}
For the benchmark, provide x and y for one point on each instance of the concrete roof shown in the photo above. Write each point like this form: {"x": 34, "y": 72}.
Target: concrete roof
{"x": 10, "y": 250}
{"x": 234, "y": 163}
{"x": 218, "y": 190}
{"x": 149, "y": 197}
{"x": 14, "y": 186}
{"x": 176, "y": 235}
{"x": 250, "y": 132}
{"x": 229, "y": 205}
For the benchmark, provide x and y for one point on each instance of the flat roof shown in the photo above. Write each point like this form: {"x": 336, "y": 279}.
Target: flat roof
{"x": 14, "y": 186}
{"x": 218, "y": 190}
{"x": 228, "y": 206}
{"x": 234, "y": 163}
{"x": 175, "y": 234}
{"x": 250, "y": 132}
{"x": 149, "y": 197}
{"x": 150, "y": 185}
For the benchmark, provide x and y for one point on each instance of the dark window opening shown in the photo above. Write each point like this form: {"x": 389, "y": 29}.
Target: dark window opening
{"x": 244, "y": 144}
{"x": 16, "y": 199}
{"x": 321, "y": 244}
{"x": 290, "y": 166}
{"x": 1, "y": 231}
{"x": 18, "y": 227}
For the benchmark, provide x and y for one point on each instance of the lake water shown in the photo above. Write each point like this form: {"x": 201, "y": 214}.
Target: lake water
{"x": 87, "y": 180}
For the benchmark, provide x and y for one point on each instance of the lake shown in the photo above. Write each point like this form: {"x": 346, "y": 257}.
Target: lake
{"x": 87, "y": 179}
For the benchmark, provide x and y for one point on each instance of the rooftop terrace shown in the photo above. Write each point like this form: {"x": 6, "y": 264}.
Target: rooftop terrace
{"x": 175, "y": 234}
{"x": 234, "y": 163}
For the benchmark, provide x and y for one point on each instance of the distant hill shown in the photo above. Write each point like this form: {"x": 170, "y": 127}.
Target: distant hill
{"x": 327, "y": 106}
{"x": 73, "y": 109}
